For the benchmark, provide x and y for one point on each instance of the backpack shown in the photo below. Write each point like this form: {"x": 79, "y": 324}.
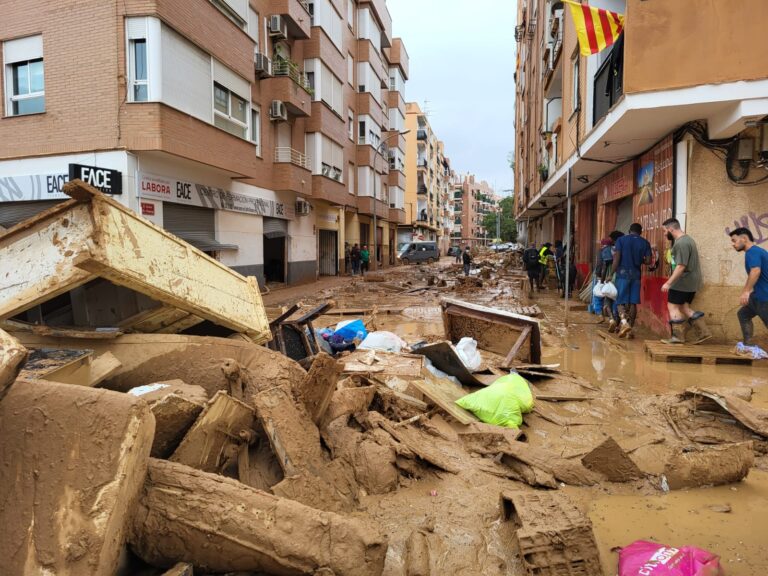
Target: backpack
{"x": 530, "y": 256}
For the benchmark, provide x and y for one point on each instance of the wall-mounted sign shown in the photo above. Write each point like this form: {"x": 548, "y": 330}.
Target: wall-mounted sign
{"x": 105, "y": 179}
{"x": 194, "y": 194}
{"x": 49, "y": 186}
{"x": 147, "y": 209}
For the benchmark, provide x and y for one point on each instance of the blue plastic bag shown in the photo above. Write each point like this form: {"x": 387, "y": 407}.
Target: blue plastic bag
{"x": 352, "y": 330}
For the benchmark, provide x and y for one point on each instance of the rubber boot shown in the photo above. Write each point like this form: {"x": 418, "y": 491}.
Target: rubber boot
{"x": 700, "y": 328}
{"x": 677, "y": 327}
{"x": 625, "y": 328}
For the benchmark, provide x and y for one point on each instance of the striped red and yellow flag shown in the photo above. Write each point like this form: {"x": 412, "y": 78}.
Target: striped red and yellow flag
{"x": 596, "y": 28}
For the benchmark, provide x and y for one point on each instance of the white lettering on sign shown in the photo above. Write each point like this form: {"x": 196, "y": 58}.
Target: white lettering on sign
{"x": 96, "y": 177}
{"x": 193, "y": 194}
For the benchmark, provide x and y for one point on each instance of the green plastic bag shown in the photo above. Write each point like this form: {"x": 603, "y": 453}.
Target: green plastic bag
{"x": 503, "y": 403}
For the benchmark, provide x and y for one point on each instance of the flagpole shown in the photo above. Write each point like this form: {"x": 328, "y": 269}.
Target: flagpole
{"x": 569, "y": 247}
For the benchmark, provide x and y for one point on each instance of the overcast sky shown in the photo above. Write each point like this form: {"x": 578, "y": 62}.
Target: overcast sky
{"x": 462, "y": 62}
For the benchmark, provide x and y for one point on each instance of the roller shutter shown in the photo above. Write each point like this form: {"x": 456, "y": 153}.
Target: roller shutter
{"x": 11, "y": 213}
{"x": 195, "y": 225}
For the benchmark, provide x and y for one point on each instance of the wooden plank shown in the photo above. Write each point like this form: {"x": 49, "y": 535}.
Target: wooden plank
{"x": 756, "y": 419}
{"x": 317, "y": 388}
{"x": 214, "y": 439}
{"x": 294, "y": 438}
{"x": 524, "y": 335}
{"x": 12, "y": 358}
{"x": 705, "y": 354}
{"x": 444, "y": 394}
{"x": 88, "y": 371}
{"x": 42, "y": 361}
{"x": 612, "y": 340}
{"x": 385, "y": 363}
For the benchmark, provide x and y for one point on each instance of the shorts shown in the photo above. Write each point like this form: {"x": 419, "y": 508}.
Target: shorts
{"x": 679, "y": 297}
{"x": 628, "y": 289}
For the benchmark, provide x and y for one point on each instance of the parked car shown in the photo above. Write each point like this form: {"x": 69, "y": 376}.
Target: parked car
{"x": 502, "y": 247}
{"x": 419, "y": 252}
{"x": 453, "y": 250}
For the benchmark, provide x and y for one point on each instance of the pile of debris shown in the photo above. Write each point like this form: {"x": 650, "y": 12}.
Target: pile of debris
{"x": 160, "y": 447}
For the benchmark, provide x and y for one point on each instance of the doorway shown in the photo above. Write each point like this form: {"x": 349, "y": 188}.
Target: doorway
{"x": 328, "y": 253}
{"x": 275, "y": 233}
{"x": 392, "y": 246}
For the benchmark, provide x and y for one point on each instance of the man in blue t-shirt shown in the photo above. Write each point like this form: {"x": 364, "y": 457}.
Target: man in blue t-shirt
{"x": 631, "y": 252}
{"x": 754, "y": 298}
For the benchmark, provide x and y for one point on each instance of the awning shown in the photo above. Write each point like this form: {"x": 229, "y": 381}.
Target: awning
{"x": 203, "y": 241}
{"x": 275, "y": 228}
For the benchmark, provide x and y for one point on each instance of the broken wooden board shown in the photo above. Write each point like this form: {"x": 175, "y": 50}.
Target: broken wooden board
{"x": 755, "y": 419}
{"x": 95, "y": 236}
{"x": 553, "y": 536}
{"x": 316, "y": 390}
{"x": 180, "y": 569}
{"x": 707, "y": 354}
{"x": 384, "y": 363}
{"x": 12, "y": 358}
{"x": 611, "y": 461}
{"x": 87, "y": 371}
{"x": 75, "y": 454}
{"x": 294, "y": 438}
{"x": 220, "y": 525}
{"x": 567, "y": 471}
{"x": 212, "y": 443}
{"x": 444, "y": 394}
{"x": 445, "y": 358}
{"x": 347, "y": 401}
{"x": 42, "y": 361}
{"x": 416, "y": 441}
{"x": 495, "y": 330}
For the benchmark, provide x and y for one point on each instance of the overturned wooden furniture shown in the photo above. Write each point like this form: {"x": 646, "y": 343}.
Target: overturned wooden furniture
{"x": 507, "y": 334}
{"x": 553, "y": 537}
{"x": 94, "y": 248}
{"x": 708, "y": 354}
{"x": 289, "y": 333}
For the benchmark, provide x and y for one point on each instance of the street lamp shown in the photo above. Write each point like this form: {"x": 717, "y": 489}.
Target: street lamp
{"x": 380, "y": 151}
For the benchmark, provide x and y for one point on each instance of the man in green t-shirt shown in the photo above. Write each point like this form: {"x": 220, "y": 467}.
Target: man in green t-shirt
{"x": 365, "y": 259}
{"x": 682, "y": 286}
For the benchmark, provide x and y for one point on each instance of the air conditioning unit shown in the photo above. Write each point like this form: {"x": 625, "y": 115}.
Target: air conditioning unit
{"x": 262, "y": 64}
{"x": 278, "y": 111}
{"x": 303, "y": 208}
{"x": 278, "y": 27}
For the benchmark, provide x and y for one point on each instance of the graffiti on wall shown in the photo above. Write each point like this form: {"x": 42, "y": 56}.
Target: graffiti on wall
{"x": 757, "y": 224}
{"x": 654, "y": 178}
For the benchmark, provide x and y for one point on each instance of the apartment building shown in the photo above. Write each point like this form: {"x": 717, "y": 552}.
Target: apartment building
{"x": 672, "y": 120}
{"x": 473, "y": 200}
{"x": 425, "y": 166}
{"x": 266, "y": 133}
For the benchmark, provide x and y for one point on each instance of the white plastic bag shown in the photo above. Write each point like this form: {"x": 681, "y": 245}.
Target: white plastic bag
{"x": 383, "y": 340}
{"x": 467, "y": 351}
{"x": 598, "y": 290}
{"x": 609, "y": 291}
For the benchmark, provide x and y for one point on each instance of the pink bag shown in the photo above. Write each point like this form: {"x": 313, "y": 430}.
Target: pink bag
{"x": 643, "y": 558}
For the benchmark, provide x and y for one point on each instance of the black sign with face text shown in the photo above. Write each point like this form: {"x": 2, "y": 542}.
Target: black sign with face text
{"x": 104, "y": 179}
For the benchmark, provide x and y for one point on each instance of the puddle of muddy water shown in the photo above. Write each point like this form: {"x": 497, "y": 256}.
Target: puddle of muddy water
{"x": 688, "y": 517}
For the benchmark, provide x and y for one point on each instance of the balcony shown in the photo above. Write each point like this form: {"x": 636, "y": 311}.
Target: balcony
{"x": 296, "y": 15}
{"x": 421, "y": 134}
{"x": 398, "y": 56}
{"x": 367, "y": 205}
{"x": 396, "y": 178}
{"x": 290, "y": 85}
{"x": 421, "y": 189}
{"x": 291, "y": 171}
{"x": 330, "y": 190}
{"x": 397, "y": 215}
{"x": 608, "y": 83}
{"x": 381, "y": 12}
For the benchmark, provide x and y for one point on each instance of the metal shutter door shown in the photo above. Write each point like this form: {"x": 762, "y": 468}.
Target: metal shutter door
{"x": 11, "y": 213}
{"x": 328, "y": 256}
{"x": 275, "y": 228}
{"x": 195, "y": 225}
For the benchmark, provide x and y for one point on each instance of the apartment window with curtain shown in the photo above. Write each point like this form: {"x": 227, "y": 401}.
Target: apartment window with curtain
{"x": 351, "y": 124}
{"x": 230, "y": 111}
{"x": 138, "y": 79}
{"x": 24, "y": 76}
{"x": 332, "y": 162}
{"x": 351, "y": 14}
{"x": 256, "y": 128}
{"x": 575, "y": 96}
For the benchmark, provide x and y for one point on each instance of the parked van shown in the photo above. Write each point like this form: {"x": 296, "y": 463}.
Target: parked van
{"x": 419, "y": 252}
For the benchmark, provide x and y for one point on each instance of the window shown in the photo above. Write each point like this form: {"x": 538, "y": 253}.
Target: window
{"x": 27, "y": 87}
{"x": 324, "y": 15}
{"x": 361, "y": 131}
{"x": 351, "y": 14}
{"x": 575, "y": 96}
{"x": 230, "y": 111}
{"x": 351, "y": 178}
{"x": 235, "y": 10}
{"x": 253, "y": 26}
{"x": 138, "y": 80}
{"x": 332, "y": 159}
{"x": 351, "y": 122}
{"x": 311, "y": 80}
{"x": 24, "y": 76}
{"x": 331, "y": 90}
{"x": 350, "y": 69}
{"x": 256, "y": 129}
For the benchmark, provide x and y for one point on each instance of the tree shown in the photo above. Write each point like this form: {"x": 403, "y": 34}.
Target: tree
{"x": 508, "y": 224}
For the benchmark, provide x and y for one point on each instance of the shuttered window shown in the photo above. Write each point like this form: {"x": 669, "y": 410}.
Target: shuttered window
{"x": 11, "y": 213}
{"x": 195, "y": 225}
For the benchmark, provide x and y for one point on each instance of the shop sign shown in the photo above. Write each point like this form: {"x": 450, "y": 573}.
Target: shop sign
{"x": 105, "y": 179}
{"x": 194, "y": 194}
{"x": 147, "y": 209}
{"x": 49, "y": 186}
{"x": 616, "y": 185}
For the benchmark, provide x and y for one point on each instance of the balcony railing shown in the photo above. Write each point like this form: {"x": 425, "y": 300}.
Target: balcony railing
{"x": 304, "y": 4}
{"x": 422, "y": 189}
{"x": 609, "y": 85}
{"x": 285, "y": 155}
{"x": 283, "y": 67}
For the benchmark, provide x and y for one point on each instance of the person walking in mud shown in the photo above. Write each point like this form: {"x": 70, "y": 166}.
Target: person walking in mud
{"x": 354, "y": 255}
{"x": 682, "y": 286}
{"x": 459, "y": 252}
{"x": 531, "y": 265}
{"x": 466, "y": 259}
{"x": 754, "y": 297}
{"x": 365, "y": 259}
{"x": 544, "y": 254}
{"x": 632, "y": 251}
{"x": 610, "y": 308}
